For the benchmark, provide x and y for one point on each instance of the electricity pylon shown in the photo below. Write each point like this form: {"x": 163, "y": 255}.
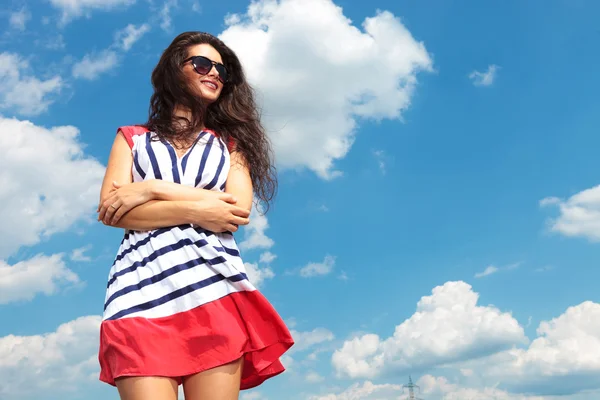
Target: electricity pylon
{"x": 411, "y": 389}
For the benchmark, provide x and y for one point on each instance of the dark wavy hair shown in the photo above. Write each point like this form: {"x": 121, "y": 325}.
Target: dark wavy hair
{"x": 234, "y": 116}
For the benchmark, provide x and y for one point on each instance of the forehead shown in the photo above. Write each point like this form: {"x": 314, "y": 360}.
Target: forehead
{"x": 205, "y": 50}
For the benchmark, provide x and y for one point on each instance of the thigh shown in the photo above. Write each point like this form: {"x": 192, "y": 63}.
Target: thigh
{"x": 147, "y": 388}
{"x": 220, "y": 383}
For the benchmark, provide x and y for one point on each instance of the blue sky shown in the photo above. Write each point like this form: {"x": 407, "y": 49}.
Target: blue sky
{"x": 438, "y": 212}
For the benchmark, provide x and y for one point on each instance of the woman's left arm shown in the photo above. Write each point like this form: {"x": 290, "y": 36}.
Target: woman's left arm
{"x": 122, "y": 198}
{"x": 239, "y": 183}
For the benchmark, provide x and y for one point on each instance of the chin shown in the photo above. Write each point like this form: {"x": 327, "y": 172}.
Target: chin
{"x": 209, "y": 97}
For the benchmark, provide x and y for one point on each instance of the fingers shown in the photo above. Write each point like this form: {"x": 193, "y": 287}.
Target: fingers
{"x": 228, "y": 198}
{"x": 119, "y": 212}
{"x": 104, "y": 205}
{"x": 231, "y": 228}
{"x": 239, "y": 220}
{"x": 110, "y": 212}
{"x": 240, "y": 212}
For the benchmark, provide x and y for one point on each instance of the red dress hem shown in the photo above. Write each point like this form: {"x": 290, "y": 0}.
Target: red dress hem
{"x": 242, "y": 324}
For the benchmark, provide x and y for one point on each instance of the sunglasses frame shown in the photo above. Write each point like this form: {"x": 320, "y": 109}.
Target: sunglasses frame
{"x": 214, "y": 63}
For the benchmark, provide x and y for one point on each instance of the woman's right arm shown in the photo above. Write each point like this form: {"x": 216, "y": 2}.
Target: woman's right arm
{"x": 211, "y": 213}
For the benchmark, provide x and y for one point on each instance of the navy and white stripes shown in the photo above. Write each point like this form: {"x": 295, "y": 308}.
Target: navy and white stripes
{"x": 171, "y": 270}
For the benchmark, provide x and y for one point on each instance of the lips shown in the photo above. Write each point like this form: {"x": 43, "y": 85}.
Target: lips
{"x": 210, "y": 84}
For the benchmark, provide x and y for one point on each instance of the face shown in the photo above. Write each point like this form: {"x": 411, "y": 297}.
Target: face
{"x": 208, "y": 86}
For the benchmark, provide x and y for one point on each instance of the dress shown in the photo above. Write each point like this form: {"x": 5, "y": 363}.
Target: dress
{"x": 178, "y": 299}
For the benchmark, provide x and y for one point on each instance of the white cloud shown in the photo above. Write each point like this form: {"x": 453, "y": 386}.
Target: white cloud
{"x": 166, "y": 22}
{"x": 267, "y": 257}
{"x": 365, "y": 391}
{"x": 79, "y": 255}
{"x": 579, "y": 214}
{"x": 257, "y": 275}
{"x": 447, "y": 327}
{"x": 484, "y": 78}
{"x": 563, "y": 359}
{"x": 93, "y": 65}
{"x": 315, "y": 74}
{"x": 50, "y": 363}
{"x": 313, "y": 377}
{"x": 438, "y": 387}
{"x": 318, "y": 269}
{"x": 126, "y": 37}
{"x": 72, "y": 9}
{"x": 251, "y": 396}
{"x": 18, "y": 19}
{"x": 380, "y": 157}
{"x": 50, "y": 189}
{"x": 21, "y": 92}
{"x": 254, "y": 232}
{"x": 492, "y": 269}
{"x": 196, "y": 7}
{"x": 488, "y": 271}
{"x": 308, "y": 339}
{"x": 40, "y": 274}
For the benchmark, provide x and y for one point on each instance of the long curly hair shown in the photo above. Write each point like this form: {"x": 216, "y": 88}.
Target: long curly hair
{"x": 234, "y": 116}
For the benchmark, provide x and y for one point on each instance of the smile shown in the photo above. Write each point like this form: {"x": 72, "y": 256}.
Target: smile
{"x": 209, "y": 84}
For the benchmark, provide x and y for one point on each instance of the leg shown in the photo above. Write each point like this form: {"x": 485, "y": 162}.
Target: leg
{"x": 147, "y": 388}
{"x": 220, "y": 383}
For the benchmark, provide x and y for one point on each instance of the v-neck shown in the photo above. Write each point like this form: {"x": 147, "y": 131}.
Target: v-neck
{"x": 188, "y": 151}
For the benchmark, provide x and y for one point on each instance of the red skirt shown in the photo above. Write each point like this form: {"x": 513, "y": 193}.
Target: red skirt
{"x": 242, "y": 324}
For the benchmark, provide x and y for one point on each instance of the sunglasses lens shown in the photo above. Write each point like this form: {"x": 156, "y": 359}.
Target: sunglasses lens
{"x": 222, "y": 72}
{"x": 202, "y": 65}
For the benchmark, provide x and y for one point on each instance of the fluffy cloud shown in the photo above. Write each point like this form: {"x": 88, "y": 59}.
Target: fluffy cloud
{"x": 563, "y": 359}
{"x": 579, "y": 214}
{"x": 57, "y": 361}
{"x": 18, "y": 19}
{"x": 448, "y": 326}
{"x": 21, "y": 92}
{"x": 489, "y": 270}
{"x": 79, "y": 255}
{"x": 127, "y": 37}
{"x": 254, "y": 232}
{"x": 484, "y": 78}
{"x": 317, "y": 73}
{"x": 51, "y": 190}
{"x": 40, "y": 274}
{"x": 257, "y": 275}
{"x": 365, "y": 391}
{"x": 93, "y": 65}
{"x": 318, "y": 269}
{"x": 309, "y": 339}
{"x": 440, "y": 388}
{"x": 72, "y": 9}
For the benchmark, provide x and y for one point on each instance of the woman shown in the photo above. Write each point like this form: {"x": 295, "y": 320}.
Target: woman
{"x": 179, "y": 308}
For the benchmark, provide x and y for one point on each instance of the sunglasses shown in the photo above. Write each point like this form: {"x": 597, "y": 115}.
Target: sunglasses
{"x": 203, "y": 65}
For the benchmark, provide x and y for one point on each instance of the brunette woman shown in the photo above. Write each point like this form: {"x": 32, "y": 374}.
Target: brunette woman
{"x": 179, "y": 307}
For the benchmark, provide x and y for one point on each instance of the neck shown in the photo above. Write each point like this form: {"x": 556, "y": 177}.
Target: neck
{"x": 183, "y": 112}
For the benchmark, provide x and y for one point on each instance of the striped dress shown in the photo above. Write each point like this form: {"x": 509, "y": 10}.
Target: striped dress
{"x": 178, "y": 300}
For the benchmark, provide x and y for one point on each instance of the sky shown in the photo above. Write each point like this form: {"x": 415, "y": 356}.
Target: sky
{"x": 438, "y": 212}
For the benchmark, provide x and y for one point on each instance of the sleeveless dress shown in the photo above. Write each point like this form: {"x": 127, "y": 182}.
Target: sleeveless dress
{"x": 178, "y": 300}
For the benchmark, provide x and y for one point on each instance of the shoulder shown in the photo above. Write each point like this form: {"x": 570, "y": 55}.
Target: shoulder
{"x": 129, "y": 131}
{"x": 230, "y": 143}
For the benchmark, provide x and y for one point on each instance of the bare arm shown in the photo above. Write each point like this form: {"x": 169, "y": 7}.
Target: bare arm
{"x": 146, "y": 207}
{"x": 152, "y": 214}
{"x": 239, "y": 183}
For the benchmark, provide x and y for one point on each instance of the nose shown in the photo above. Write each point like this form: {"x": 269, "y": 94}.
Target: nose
{"x": 213, "y": 72}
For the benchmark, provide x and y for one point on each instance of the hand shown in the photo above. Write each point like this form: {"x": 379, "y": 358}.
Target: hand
{"x": 220, "y": 214}
{"x": 123, "y": 198}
